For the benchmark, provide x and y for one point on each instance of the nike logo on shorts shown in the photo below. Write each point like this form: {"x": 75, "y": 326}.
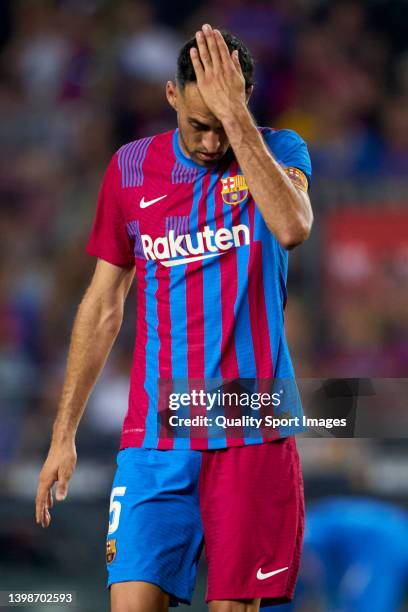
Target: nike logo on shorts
{"x": 145, "y": 203}
{"x": 262, "y": 576}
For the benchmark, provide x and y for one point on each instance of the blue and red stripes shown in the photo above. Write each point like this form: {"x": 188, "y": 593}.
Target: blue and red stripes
{"x": 133, "y": 229}
{"x": 178, "y": 317}
{"x": 130, "y": 161}
{"x": 227, "y": 215}
{"x": 195, "y": 313}
{"x": 183, "y": 174}
{"x": 179, "y": 224}
{"x": 152, "y": 354}
{"x": 212, "y": 294}
{"x": 257, "y": 306}
{"x": 165, "y": 352}
{"x": 134, "y": 425}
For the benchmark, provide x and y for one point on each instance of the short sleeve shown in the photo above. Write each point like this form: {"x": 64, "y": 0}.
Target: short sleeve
{"x": 109, "y": 239}
{"x": 289, "y": 149}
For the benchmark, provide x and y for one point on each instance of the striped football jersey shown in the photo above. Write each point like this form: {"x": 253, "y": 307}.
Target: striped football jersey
{"x": 210, "y": 276}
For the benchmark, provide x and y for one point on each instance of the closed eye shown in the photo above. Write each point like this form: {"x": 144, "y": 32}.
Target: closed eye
{"x": 201, "y": 127}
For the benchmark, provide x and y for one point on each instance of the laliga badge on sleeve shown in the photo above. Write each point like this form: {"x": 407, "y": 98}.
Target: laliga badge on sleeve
{"x": 298, "y": 177}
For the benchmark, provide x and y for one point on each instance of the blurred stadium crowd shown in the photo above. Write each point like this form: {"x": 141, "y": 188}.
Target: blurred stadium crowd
{"x": 79, "y": 79}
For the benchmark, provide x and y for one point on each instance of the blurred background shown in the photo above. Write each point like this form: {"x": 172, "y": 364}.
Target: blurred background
{"x": 79, "y": 78}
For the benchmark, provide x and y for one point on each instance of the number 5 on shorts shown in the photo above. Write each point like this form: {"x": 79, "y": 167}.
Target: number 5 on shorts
{"x": 115, "y": 508}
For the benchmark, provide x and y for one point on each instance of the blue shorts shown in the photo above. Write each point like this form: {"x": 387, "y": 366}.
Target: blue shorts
{"x": 155, "y": 529}
{"x": 165, "y": 504}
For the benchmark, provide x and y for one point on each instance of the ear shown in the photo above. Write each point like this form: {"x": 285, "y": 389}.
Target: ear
{"x": 171, "y": 94}
{"x": 248, "y": 93}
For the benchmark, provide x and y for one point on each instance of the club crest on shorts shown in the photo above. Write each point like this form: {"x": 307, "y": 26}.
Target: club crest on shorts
{"x": 110, "y": 550}
{"x": 234, "y": 189}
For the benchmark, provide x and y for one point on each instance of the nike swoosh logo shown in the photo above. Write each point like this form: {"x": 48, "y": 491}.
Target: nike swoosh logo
{"x": 262, "y": 576}
{"x": 145, "y": 203}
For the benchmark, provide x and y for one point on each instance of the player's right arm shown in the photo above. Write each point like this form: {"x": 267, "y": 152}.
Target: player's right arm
{"x": 96, "y": 326}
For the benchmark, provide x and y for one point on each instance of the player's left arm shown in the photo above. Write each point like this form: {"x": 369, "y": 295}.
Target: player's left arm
{"x": 280, "y": 197}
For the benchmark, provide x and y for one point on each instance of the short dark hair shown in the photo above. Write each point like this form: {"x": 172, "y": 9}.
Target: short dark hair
{"x": 185, "y": 71}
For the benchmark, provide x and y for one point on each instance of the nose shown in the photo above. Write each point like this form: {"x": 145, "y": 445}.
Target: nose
{"x": 211, "y": 142}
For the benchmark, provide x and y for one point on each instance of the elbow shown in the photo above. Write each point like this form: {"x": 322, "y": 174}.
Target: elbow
{"x": 295, "y": 236}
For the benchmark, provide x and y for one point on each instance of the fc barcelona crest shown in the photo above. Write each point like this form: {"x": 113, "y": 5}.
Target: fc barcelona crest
{"x": 110, "y": 550}
{"x": 234, "y": 189}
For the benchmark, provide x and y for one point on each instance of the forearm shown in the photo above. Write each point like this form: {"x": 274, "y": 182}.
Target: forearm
{"x": 94, "y": 331}
{"x": 284, "y": 208}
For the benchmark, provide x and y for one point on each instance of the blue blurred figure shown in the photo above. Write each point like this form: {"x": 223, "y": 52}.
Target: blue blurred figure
{"x": 355, "y": 558}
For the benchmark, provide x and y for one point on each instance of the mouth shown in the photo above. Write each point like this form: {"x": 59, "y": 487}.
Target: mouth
{"x": 207, "y": 157}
